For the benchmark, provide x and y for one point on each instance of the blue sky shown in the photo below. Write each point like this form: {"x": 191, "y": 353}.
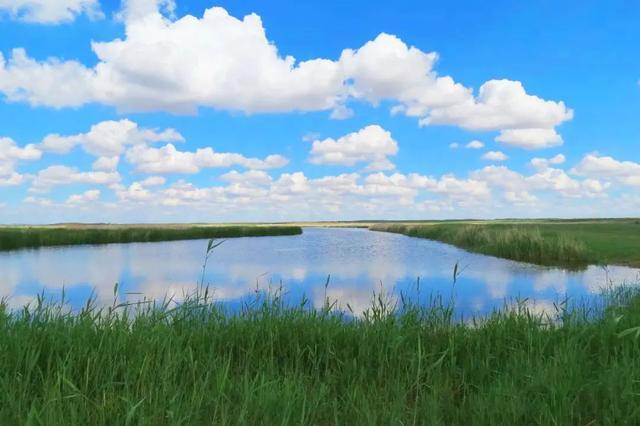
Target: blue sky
{"x": 154, "y": 110}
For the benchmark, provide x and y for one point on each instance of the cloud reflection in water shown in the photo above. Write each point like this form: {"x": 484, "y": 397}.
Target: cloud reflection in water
{"x": 358, "y": 260}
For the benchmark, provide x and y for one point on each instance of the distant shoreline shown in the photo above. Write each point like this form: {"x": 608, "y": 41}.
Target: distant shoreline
{"x": 572, "y": 244}
{"x": 22, "y": 237}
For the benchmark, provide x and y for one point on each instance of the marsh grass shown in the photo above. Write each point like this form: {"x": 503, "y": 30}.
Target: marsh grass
{"x": 12, "y": 238}
{"x": 273, "y": 363}
{"x": 515, "y": 242}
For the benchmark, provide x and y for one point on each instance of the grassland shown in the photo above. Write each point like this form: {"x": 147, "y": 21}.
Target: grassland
{"x": 568, "y": 243}
{"x": 13, "y": 238}
{"x": 269, "y": 364}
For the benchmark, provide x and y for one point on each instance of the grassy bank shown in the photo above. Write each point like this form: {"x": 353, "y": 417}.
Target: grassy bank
{"x": 572, "y": 244}
{"x": 273, "y": 365}
{"x": 12, "y": 238}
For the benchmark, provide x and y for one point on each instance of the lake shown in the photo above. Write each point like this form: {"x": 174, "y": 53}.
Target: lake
{"x": 358, "y": 261}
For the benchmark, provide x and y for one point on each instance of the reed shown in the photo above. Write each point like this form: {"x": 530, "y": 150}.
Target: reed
{"x": 12, "y": 238}
{"x": 272, "y": 364}
{"x": 515, "y": 242}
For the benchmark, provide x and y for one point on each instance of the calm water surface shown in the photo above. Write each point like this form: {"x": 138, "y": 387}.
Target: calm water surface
{"x": 359, "y": 261}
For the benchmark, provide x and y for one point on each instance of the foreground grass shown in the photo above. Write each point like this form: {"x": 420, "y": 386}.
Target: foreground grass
{"x": 572, "y": 244}
{"x": 274, "y": 365}
{"x": 12, "y": 238}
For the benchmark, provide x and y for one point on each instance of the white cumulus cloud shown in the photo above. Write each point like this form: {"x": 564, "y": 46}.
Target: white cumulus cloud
{"x": 168, "y": 159}
{"x": 543, "y": 163}
{"x": 254, "y": 177}
{"x": 222, "y": 62}
{"x": 85, "y": 197}
{"x": 474, "y": 144}
{"x": 53, "y": 176}
{"x": 495, "y": 156}
{"x": 53, "y": 83}
{"x": 10, "y": 155}
{"x": 109, "y": 139}
{"x": 50, "y": 11}
{"x": 605, "y": 167}
{"x": 530, "y": 138}
{"x": 371, "y": 144}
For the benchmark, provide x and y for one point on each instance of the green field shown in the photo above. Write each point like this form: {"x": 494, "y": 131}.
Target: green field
{"x": 568, "y": 243}
{"x": 197, "y": 364}
{"x": 13, "y": 238}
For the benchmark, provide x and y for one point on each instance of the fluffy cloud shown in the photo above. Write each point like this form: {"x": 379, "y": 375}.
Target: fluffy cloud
{"x": 85, "y": 197}
{"x": 153, "y": 181}
{"x": 138, "y": 191}
{"x": 375, "y": 192}
{"x": 386, "y": 68}
{"x": 462, "y": 189}
{"x": 520, "y": 198}
{"x": 169, "y": 160}
{"x": 555, "y": 179}
{"x": 50, "y": 83}
{"x": 474, "y": 144}
{"x": 372, "y": 145}
{"x": 257, "y": 177}
{"x": 50, "y": 11}
{"x": 136, "y": 9}
{"x": 543, "y": 163}
{"x": 397, "y": 184}
{"x": 494, "y": 156}
{"x": 411, "y": 184}
{"x": 13, "y": 179}
{"x": 38, "y": 201}
{"x": 62, "y": 175}
{"x": 517, "y": 187}
{"x": 254, "y": 192}
{"x": 502, "y": 104}
{"x": 595, "y": 166}
{"x": 10, "y": 154}
{"x": 106, "y": 163}
{"x": 595, "y": 187}
{"x": 109, "y": 139}
{"x": 501, "y": 177}
{"x": 238, "y": 68}
{"x": 531, "y": 138}
{"x": 222, "y": 62}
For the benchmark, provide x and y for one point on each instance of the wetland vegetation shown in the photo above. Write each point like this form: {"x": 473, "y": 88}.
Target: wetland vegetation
{"x": 565, "y": 243}
{"x": 17, "y": 237}
{"x": 198, "y": 362}
{"x": 271, "y": 364}
{"x": 571, "y": 244}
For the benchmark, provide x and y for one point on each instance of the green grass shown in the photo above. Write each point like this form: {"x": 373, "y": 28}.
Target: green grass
{"x": 12, "y": 238}
{"x": 572, "y": 244}
{"x": 197, "y": 364}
